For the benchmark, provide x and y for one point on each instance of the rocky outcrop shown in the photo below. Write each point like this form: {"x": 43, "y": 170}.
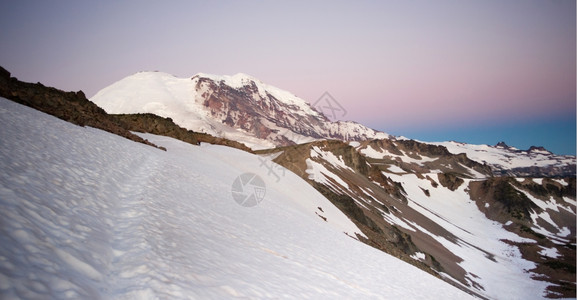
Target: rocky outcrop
{"x": 559, "y": 166}
{"x": 72, "y": 107}
{"x": 515, "y": 203}
{"x": 150, "y": 123}
{"x": 450, "y": 180}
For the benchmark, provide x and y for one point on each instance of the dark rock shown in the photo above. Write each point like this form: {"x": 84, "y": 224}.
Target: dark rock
{"x": 4, "y": 74}
{"x": 515, "y": 202}
{"x": 154, "y": 124}
{"x": 68, "y": 106}
{"x": 538, "y": 148}
{"x": 450, "y": 181}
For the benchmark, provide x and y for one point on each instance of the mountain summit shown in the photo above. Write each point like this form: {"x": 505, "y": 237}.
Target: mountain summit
{"x": 238, "y": 107}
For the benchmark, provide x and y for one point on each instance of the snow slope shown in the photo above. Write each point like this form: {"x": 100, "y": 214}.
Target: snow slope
{"x": 87, "y": 214}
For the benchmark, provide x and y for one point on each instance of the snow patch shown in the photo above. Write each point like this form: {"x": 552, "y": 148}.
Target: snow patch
{"x": 329, "y": 157}
{"x": 549, "y": 252}
{"x": 321, "y": 174}
{"x": 395, "y": 169}
{"x": 418, "y": 256}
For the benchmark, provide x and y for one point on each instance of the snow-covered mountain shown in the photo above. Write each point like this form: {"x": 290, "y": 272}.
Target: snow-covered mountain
{"x": 239, "y": 107}
{"x": 86, "y": 214}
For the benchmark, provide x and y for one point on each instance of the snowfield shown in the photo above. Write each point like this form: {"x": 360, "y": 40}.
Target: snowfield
{"x": 89, "y": 215}
{"x": 502, "y": 158}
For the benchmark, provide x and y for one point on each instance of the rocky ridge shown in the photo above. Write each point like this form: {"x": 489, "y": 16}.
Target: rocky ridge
{"x": 73, "y": 107}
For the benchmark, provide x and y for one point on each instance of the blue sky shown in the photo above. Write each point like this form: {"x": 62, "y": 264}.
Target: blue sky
{"x": 473, "y": 71}
{"x": 555, "y": 135}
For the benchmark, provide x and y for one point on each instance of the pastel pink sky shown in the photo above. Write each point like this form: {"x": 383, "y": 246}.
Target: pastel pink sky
{"x": 397, "y": 66}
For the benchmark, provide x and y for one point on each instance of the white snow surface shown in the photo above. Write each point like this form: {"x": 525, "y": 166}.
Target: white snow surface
{"x": 86, "y": 214}
{"x": 419, "y": 256}
{"x": 395, "y": 169}
{"x": 550, "y": 252}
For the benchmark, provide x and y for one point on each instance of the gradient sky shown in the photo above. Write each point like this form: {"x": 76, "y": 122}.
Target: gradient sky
{"x": 471, "y": 71}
